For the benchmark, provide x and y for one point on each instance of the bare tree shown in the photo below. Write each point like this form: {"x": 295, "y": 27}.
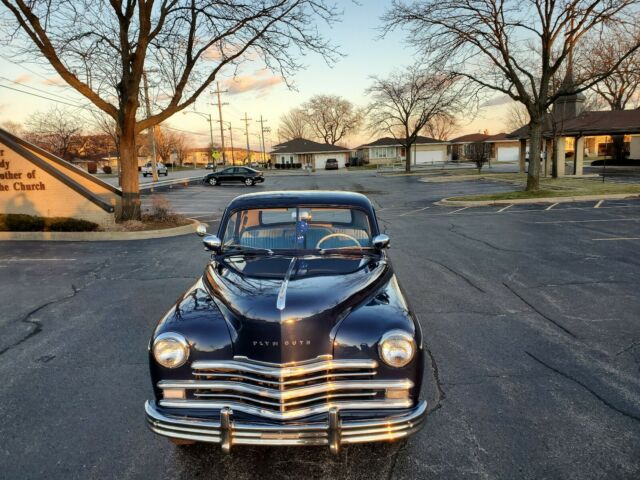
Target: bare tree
{"x": 54, "y": 130}
{"x": 520, "y": 49}
{"x": 107, "y": 125}
{"x": 293, "y": 124}
{"x": 621, "y": 89}
{"x": 331, "y": 118}
{"x": 478, "y": 153}
{"x": 441, "y": 127}
{"x": 168, "y": 142}
{"x": 405, "y": 102}
{"x": 12, "y": 127}
{"x": 102, "y": 48}
{"x": 517, "y": 116}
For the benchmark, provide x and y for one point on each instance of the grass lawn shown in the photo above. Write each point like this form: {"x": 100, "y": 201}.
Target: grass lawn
{"x": 555, "y": 187}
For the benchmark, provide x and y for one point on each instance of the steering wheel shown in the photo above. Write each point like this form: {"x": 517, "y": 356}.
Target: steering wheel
{"x": 335, "y": 235}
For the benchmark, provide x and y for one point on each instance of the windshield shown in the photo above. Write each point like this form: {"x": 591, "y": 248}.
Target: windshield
{"x": 297, "y": 228}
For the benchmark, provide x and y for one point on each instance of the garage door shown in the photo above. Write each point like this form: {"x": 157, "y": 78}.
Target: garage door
{"x": 429, "y": 156}
{"x": 508, "y": 154}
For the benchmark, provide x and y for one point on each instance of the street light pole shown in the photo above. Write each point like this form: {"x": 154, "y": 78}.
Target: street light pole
{"x": 207, "y": 117}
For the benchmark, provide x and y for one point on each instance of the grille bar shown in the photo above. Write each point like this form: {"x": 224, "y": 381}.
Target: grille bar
{"x": 283, "y": 372}
{"x": 290, "y": 393}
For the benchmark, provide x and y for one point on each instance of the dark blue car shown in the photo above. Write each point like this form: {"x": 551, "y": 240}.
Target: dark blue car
{"x": 297, "y": 333}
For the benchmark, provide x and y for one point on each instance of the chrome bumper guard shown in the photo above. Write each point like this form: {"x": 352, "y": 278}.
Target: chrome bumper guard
{"x": 334, "y": 432}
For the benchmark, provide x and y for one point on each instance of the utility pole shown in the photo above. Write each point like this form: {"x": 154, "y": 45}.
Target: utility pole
{"x": 218, "y": 92}
{"x": 231, "y": 137}
{"x": 246, "y": 134}
{"x": 150, "y": 131}
{"x": 262, "y": 130}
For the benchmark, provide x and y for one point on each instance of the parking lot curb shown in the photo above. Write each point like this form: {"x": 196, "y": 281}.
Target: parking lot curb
{"x": 532, "y": 201}
{"x": 99, "y": 236}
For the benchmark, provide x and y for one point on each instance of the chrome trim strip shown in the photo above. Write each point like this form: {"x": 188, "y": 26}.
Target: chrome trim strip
{"x": 282, "y": 372}
{"x": 221, "y": 396}
{"x": 287, "y": 394}
{"x": 319, "y": 358}
{"x": 286, "y": 382}
{"x": 281, "y": 302}
{"x": 290, "y": 415}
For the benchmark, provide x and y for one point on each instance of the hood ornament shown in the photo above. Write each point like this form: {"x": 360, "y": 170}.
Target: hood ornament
{"x": 282, "y": 294}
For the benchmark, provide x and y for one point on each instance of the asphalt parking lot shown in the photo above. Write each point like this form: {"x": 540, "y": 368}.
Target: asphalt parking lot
{"x": 530, "y": 316}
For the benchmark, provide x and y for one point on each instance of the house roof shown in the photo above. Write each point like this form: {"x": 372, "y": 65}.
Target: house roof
{"x": 394, "y": 142}
{"x": 605, "y": 122}
{"x": 302, "y": 145}
{"x": 499, "y": 137}
{"x": 471, "y": 137}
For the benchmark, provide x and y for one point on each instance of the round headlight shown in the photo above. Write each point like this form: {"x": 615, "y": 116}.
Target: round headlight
{"x": 170, "y": 349}
{"x": 397, "y": 348}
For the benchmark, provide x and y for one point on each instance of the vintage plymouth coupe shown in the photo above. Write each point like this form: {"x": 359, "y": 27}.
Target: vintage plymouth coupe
{"x": 297, "y": 333}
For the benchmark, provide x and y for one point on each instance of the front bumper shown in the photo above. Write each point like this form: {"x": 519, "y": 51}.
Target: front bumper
{"x": 334, "y": 431}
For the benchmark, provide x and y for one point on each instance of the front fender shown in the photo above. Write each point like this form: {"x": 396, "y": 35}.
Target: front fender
{"x": 196, "y": 317}
{"x": 357, "y": 335}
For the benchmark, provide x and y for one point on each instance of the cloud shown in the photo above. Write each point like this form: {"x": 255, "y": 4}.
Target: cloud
{"x": 259, "y": 82}
{"x": 498, "y": 100}
{"x": 56, "y": 81}
{"x": 24, "y": 78}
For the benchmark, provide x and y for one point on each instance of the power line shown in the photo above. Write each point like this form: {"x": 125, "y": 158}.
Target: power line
{"x": 47, "y": 98}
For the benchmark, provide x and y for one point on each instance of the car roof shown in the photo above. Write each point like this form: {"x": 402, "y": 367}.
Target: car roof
{"x": 301, "y": 197}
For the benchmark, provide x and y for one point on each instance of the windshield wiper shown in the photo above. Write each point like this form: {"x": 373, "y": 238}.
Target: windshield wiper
{"x": 363, "y": 250}
{"x": 247, "y": 249}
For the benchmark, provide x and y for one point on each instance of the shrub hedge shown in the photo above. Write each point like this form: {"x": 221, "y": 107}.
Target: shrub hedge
{"x": 14, "y": 222}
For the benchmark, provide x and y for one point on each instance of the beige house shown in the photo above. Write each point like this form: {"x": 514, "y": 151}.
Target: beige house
{"x": 501, "y": 148}
{"x": 301, "y": 152}
{"x": 389, "y": 150}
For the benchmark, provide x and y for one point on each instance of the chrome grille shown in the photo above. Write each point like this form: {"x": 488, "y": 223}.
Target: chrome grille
{"x": 286, "y": 390}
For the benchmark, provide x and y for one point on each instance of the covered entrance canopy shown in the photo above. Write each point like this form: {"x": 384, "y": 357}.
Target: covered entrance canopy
{"x": 586, "y": 124}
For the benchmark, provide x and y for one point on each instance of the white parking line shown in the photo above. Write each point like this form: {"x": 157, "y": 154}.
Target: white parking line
{"x": 597, "y": 205}
{"x": 551, "y": 206}
{"x": 16, "y": 260}
{"x": 505, "y": 208}
{"x": 413, "y": 211}
{"x": 458, "y": 210}
{"x": 614, "y": 239}
{"x": 633, "y": 219}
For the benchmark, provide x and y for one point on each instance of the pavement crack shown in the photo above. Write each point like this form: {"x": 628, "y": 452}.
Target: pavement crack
{"x": 452, "y": 229}
{"x": 37, "y": 325}
{"x": 629, "y": 347}
{"x": 436, "y": 375}
{"x": 457, "y": 274}
{"x": 586, "y": 387}
{"x": 546, "y": 317}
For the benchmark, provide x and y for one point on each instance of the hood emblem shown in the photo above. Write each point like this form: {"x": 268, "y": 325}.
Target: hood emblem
{"x": 281, "y": 302}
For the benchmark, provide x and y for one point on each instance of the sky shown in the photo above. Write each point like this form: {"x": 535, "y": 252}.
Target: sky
{"x": 258, "y": 92}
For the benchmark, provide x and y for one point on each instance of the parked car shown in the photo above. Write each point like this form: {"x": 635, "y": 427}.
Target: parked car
{"x": 297, "y": 333}
{"x": 211, "y": 166}
{"x": 246, "y": 175}
{"x": 148, "y": 169}
{"x": 331, "y": 164}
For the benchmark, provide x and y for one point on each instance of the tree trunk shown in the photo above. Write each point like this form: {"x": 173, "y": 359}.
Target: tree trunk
{"x": 130, "y": 182}
{"x": 618, "y": 147}
{"x": 533, "y": 176}
{"x": 407, "y": 158}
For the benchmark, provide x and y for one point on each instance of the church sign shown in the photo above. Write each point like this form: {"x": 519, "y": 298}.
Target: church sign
{"x": 35, "y": 182}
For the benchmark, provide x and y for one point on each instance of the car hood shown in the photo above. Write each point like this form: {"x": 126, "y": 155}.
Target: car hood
{"x": 320, "y": 292}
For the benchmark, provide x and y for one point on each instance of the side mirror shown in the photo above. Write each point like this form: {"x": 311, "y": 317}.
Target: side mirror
{"x": 381, "y": 241}
{"x": 212, "y": 242}
{"x": 201, "y": 230}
